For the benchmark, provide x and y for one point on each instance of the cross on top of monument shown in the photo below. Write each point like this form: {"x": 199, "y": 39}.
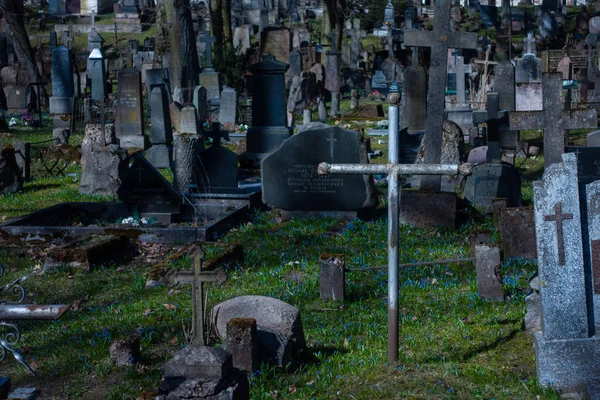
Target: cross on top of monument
{"x": 208, "y": 39}
{"x": 530, "y": 44}
{"x": 554, "y": 119}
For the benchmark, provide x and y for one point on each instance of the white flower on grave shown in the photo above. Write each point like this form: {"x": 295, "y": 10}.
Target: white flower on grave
{"x": 382, "y": 124}
{"x": 144, "y": 221}
{"x": 12, "y": 122}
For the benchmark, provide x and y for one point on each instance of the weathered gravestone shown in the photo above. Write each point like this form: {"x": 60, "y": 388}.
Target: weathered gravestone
{"x": 554, "y": 119}
{"x": 228, "y": 109}
{"x": 61, "y": 101}
{"x": 414, "y": 99}
{"x": 144, "y": 189}
{"x": 492, "y": 181}
{"x": 504, "y": 85}
{"x": 130, "y": 125}
{"x": 290, "y": 179}
{"x": 17, "y": 99}
{"x": 517, "y": 226}
{"x": 276, "y": 41}
{"x": 567, "y": 349}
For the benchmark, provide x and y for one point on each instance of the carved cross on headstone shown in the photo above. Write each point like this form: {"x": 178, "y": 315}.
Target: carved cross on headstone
{"x": 554, "y": 120}
{"x": 440, "y": 40}
{"x": 217, "y": 276}
{"x": 559, "y": 217}
{"x": 208, "y": 39}
{"x": 332, "y": 142}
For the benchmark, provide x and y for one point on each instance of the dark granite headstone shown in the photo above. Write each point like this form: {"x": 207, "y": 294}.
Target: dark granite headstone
{"x": 491, "y": 181}
{"x": 17, "y": 98}
{"x": 145, "y": 188}
{"x": 290, "y": 179}
{"x": 63, "y": 87}
{"x": 161, "y": 131}
{"x": 97, "y": 74}
{"x": 218, "y": 169}
{"x": 130, "y": 127}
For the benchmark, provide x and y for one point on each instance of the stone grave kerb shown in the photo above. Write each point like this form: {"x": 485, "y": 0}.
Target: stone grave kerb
{"x": 553, "y": 119}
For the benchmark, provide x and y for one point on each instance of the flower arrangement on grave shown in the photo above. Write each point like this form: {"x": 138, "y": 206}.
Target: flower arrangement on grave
{"x": 13, "y": 121}
{"x": 383, "y": 124}
{"x": 206, "y": 125}
{"x": 28, "y": 119}
{"x": 243, "y": 128}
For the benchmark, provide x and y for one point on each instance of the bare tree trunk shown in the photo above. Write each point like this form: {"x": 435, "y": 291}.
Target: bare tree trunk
{"x": 227, "y": 30}
{"x": 13, "y": 11}
{"x": 186, "y": 151}
{"x": 216, "y": 22}
{"x": 336, "y": 17}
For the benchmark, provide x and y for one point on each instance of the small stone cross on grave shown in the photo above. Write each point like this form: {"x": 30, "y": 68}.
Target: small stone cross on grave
{"x": 440, "y": 40}
{"x": 559, "y": 217}
{"x": 208, "y": 39}
{"x": 216, "y": 276}
{"x": 554, "y": 119}
{"x": 530, "y": 44}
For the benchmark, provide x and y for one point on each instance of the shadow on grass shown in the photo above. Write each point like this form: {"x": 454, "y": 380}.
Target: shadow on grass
{"x": 35, "y": 187}
{"x": 310, "y": 356}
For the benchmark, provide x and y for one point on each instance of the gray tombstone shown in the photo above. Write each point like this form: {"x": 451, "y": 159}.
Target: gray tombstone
{"x": 290, "y": 179}
{"x": 130, "y": 126}
{"x": 414, "y": 99}
{"x": 567, "y": 349}
{"x": 200, "y": 101}
{"x": 97, "y": 74}
{"x": 504, "y": 85}
{"x": 228, "y": 109}
{"x": 188, "y": 120}
{"x": 161, "y": 133}
{"x": 492, "y": 181}
{"x": 17, "y": 98}
{"x": 517, "y": 226}
{"x": 295, "y": 62}
{"x": 593, "y": 139}
{"x": 63, "y": 88}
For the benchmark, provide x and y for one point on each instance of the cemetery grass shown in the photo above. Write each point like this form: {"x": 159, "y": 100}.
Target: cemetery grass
{"x": 452, "y": 343}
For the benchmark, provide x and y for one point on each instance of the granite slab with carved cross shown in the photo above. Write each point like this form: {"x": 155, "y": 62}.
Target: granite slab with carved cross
{"x": 554, "y": 119}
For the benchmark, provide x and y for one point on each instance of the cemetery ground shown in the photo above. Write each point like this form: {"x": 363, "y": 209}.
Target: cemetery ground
{"x": 452, "y": 343}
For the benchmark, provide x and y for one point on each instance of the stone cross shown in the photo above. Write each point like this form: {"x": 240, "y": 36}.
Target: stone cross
{"x": 554, "y": 119}
{"x": 440, "y": 40}
{"x": 217, "y": 276}
{"x": 393, "y": 170}
{"x": 559, "y": 217}
{"x": 207, "y": 39}
{"x": 530, "y": 44}
{"x": 460, "y": 69}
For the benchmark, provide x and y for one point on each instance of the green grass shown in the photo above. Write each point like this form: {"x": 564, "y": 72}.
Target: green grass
{"x": 452, "y": 343}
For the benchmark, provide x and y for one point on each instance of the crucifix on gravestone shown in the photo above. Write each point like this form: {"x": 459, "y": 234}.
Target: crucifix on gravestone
{"x": 559, "y": 217}
{"x": 207, "y": 39}
{"x": 554, "y": 119}
{"x": 200, "y": 277}
{"x": 440, "y": 40}
{"x": 393, "y": 170}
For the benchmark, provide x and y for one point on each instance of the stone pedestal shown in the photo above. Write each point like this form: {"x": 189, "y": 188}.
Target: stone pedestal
{"x": 425, "y": 209}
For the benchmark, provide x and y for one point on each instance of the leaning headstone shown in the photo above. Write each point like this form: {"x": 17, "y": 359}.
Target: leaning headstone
{"x": 280, "y": 333}
{"x": 567, "y": 337}
{"x": 290, "y": 179}
{"x": 593, "y": 139}
{"x": 130, "y": 125}
{"x": 491, "y": 181}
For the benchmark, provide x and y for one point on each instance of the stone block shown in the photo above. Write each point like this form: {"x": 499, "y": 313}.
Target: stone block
{"x": 4, "y": 386}
{"x": 424, "y": 209}
{"x": 90, "y": 251}
{"x": 192, "y": 362}
{"x": 489, "y": 277}
{"x": 332, "y": 277}
{"x": 24, "y": 394}
{"x": 160, "y": 155}
{"x": 517, "y": 226}
{"x": 480, "y": 237}
{"x": 242, "y": 343}
{"x": 279, "y": 325}
{"x": 125, "y": 351}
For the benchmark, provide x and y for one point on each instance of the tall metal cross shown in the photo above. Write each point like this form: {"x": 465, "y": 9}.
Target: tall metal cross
{"x": 216, "y": 276}
{"x": 554, "y": 119}
{"x": 208, "y": 39}
{"x": 393, "y": 170}
{"x": 440, "y": 40}
{"x": 559, "y": 217}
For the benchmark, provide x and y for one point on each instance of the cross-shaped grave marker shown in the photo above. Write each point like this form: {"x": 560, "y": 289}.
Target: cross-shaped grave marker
{"x": 393, "y": 170}
{"x": 554, "y": 119}
{"x": 216, "y": 276}
{"x": 559, "y": 217}
{"x": 440, "y": 40}
{"x": 208, "y": 39}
